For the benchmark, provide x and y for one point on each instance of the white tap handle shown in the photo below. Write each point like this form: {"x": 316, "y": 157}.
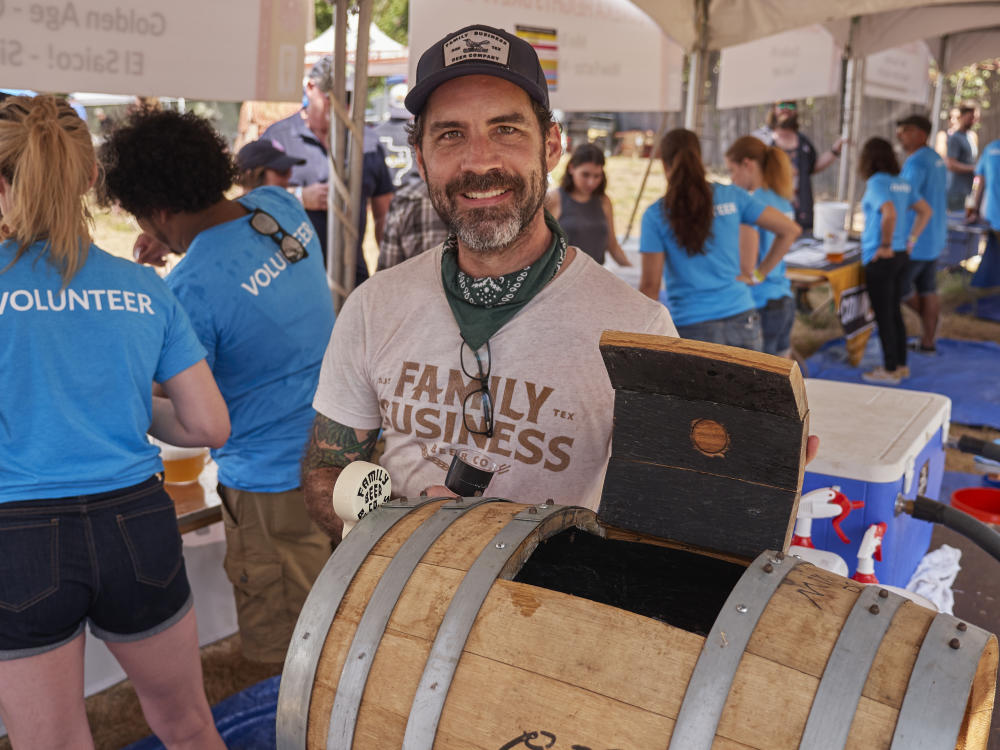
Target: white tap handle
{"x": 360, "y": 489}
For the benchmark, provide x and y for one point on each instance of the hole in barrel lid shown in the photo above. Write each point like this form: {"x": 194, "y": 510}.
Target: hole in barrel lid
{"x": 683, "y": 589}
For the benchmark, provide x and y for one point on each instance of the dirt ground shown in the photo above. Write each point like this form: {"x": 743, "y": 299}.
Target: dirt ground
{"x": 114, "y": 714}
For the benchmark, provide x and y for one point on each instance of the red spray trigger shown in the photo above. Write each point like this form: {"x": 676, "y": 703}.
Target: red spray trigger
{"x": 880, "y": 529}
{"x": 846, "y": 507}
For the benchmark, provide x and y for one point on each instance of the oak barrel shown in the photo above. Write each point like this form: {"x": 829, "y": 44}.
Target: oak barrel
{"x": 416, "y": 636}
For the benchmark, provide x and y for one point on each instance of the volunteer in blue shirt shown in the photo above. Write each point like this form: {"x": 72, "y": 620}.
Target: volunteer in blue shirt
{"x": 925, "y": 170}
{"x": 988, "y": 192}
{"x": 691, "y": 241}
{"x": 252, "y": 282}
{"x": 885, "y": 249}
{"x": 87, "y": 532}
{"x": 766, "y": 172}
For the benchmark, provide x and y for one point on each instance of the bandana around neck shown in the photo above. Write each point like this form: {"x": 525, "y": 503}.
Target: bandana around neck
{"x": 482, "y": 306}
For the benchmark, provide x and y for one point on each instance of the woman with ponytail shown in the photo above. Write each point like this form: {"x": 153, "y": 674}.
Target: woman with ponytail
{"x": 87, "y": 533}
{"x": 766, "y": 173}
{"x": 691, "y": 239}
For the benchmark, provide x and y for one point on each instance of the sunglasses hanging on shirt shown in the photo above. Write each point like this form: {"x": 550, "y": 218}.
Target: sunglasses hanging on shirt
{"x": 263, "y": 223}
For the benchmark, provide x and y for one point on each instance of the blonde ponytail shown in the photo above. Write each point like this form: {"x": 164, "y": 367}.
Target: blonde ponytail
{"x": 47, "y": 158}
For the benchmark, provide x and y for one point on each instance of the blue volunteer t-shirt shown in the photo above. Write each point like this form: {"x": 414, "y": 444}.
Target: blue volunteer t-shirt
{"x": 775, "y": 285}
{"x": 265, "y": 322}
{"x": 988, "y": 168}
{"x": 880, "y": 189}
{"x": 925, "y": 170}
{"x": 78, "y": 369}
{"x": 704, "y": 287}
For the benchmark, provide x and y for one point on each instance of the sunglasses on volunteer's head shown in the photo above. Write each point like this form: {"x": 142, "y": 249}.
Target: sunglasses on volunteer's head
{"x": 263, "y": 223}
{"x": 788, "y": 106}
{"x": 481, "y": 374}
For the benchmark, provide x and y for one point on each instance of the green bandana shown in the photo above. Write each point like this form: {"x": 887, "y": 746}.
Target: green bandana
{"x": 482, "y": 306}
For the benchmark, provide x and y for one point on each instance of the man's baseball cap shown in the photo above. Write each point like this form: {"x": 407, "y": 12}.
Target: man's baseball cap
{"x": 265, "y": 153}
{"x": 917, "y": 121}
{"x": 478, "y": 50}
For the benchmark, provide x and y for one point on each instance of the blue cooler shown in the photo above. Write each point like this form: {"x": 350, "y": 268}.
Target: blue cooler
{"x": 875, "y": 444}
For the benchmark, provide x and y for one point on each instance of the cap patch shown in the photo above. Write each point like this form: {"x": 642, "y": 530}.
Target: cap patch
{"x": 476, "y": 44}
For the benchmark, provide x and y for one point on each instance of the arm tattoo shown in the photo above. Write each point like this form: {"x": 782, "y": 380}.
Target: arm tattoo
{"x": 333, "y": 445}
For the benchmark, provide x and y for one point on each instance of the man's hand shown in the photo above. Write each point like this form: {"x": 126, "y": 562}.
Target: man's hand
{"x": 314, "y": 196}
{"x": 332, "y": 446}
{"x": 149, "y": 250}
{"x": 437, "y": 490}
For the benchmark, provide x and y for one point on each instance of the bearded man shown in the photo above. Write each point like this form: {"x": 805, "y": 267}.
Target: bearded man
{"x": 783, "y": 131}
{"x": 489, "y": 341}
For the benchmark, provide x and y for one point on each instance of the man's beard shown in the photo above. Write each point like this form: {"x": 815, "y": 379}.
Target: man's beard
{"x": 491, "y": 228}
{"x": 790, "y": 122}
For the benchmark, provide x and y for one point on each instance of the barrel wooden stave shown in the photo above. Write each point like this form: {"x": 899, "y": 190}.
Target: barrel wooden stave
{"x": 603, "y": 677}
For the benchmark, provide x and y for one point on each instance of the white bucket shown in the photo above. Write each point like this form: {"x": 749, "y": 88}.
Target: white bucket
{"x": 829, "y": 219}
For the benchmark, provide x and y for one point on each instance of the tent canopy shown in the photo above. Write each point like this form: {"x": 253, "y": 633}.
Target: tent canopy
{"x": 386, "y": 57}
{"x": 729, "y": 22}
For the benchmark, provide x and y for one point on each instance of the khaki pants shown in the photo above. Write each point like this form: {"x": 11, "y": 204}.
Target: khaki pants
{"x": 273, "y": 554}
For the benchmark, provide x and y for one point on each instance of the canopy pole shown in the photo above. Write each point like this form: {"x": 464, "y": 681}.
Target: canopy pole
{"x": 939, "y": 92}
{"x": 336, "y": 153}
{"x": 355, "y": 164}
{"x": 847, "y": 112}
{"x": 859, "y": 93}
{"x": 697, "y": 68}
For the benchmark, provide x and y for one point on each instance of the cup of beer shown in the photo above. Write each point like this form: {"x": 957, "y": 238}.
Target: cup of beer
{"x": 180, "y": 465}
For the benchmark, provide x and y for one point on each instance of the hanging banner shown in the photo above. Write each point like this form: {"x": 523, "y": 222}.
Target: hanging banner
{"x": 597, "y": 56}
{"x": 229, "y": 50}
{"x": 793, "y": 65}
{"x": 901, "y": 74}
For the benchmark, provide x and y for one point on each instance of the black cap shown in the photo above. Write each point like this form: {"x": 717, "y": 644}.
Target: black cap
{"x": 265, "y": 153}
{"x": 917, "y": 121}
{"x": 478, "y": 50}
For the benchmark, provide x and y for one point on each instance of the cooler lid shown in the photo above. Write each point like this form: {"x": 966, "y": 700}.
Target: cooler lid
{"x": 872, "y": 433}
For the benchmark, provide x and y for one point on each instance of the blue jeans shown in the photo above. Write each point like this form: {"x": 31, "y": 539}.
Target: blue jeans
{"x": 742, "y": 330}
{"x": 112, "y": 558}
{"x": 776, "y": 320}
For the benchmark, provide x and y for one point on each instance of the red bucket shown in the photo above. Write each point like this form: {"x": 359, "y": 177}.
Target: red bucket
{"x": 980, "y": 502}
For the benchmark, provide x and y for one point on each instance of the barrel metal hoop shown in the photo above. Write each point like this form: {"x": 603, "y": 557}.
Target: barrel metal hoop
{"x": 314, "y": 622}
{"x": 712, "y": 678}
{"x": 846, "y": 672}
{"x": 936, "y": 695}
{"x": 463, "y": 610}
{"x": 371, "y": 627}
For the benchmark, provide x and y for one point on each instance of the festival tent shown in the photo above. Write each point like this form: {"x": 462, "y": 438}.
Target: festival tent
{"x": 386, "y": 57}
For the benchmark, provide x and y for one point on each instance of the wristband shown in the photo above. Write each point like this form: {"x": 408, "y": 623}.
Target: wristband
{"x": 756, "y": 276}
{"x": 298, "y": 193}
{"x": 913, "y": 238}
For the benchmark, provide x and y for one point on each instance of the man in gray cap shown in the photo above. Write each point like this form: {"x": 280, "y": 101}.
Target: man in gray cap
{"x": 305, "y": 135}
{"x": 488, "y": 342}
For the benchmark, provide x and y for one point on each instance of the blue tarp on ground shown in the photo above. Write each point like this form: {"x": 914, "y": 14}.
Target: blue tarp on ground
{"x": 964, "y": 371}
{"x": 987, "y": 308}
{"x": 245, "y": 720}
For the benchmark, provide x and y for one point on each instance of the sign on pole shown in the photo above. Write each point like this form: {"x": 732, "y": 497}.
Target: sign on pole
{"x": 597, "y": 56}
{"x": 901, "y": 74}
{"x": 792, "y": 65}
{"x": 219, "y": 49}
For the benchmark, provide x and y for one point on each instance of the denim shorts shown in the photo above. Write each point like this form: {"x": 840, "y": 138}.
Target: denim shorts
{"x": 112, "y": 558}
{"x": 921, "y": 276}
{"x": 776, "y": 320}
{"x": 742, "y": 330}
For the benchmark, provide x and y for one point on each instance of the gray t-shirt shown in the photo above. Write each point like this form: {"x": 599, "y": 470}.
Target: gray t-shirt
{"x": 393, "y": 361}
{"x": 960, "y": 149}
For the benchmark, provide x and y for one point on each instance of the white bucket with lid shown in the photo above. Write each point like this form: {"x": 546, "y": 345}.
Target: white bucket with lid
{"x": 829, "y": 218}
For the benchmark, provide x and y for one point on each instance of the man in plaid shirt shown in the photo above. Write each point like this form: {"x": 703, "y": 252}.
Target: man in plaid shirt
{"x": 412, "y": 225}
